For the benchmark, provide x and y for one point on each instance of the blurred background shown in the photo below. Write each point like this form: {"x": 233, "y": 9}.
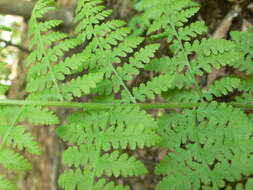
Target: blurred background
{"x": 221, "y": 16}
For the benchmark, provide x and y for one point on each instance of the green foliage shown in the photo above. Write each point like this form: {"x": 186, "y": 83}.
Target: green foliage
{"x": 217, "y": 141}
{"x": 101, "y": 138}
{"x": 209, "y": 141}
{"x": 222, "y": 87}
{"x": 6, "y": 184}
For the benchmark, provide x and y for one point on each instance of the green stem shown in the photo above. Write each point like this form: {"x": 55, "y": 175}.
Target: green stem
{"x": 105, "y": 106}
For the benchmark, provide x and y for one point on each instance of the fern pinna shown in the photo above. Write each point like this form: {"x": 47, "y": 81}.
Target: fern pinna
{"x": 209, "y": 140}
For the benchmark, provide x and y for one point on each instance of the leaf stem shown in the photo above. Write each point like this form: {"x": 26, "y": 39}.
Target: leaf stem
{"x": 105, "y": 106}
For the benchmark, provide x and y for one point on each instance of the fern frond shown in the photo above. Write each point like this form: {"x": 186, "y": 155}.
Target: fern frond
{"x": 42, "y": 73}
{"x": 101, "y": 184}
{"x": 165, "y": 64}
{"x": 13, "y": 135}
{"x": 244, "y": 40}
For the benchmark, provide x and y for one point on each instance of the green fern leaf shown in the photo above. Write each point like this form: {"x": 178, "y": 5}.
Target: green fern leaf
{"x": 156, "y": 86}
{"x": 20, "y": 139}
{"x": 75, "y": 179}
{"x": 12, "y": 160}
{"x": 72, "y": 180}
{"x": 80, "y": 85}
{"x": 114, "y": 164}
{"x": 6, "y": 184}
{"x": 209, "y": 46}
{"x": 222, "y": 87}
{"x": 192, "y": 30}
{"x": 43, "y": 116}
{"x": 95, "y": 132}
{"x": 214, "y": 135}
{"x": 42, "y": 7}
{"x": 79, "y": 156}
{"x": 127, "y": 71}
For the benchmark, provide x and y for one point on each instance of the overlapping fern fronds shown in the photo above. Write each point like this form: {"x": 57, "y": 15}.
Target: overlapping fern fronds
{"x": 205, "y": 141}
{"x": 209, "y": 145}
{"x": 110, "y": 43}
{"x": 217, "y": 147}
